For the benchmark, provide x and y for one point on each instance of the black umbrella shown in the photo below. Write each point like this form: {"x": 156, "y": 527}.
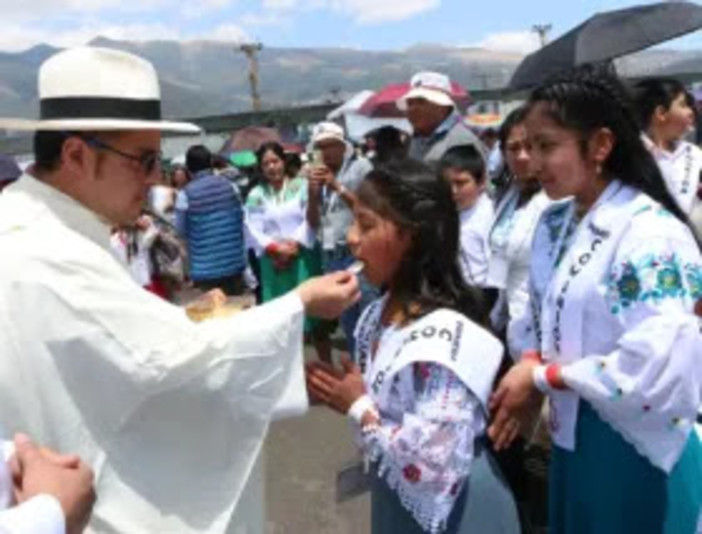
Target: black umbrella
{"x": 607, "y": 36}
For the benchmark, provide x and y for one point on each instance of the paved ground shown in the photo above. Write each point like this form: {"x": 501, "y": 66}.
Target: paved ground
{"x": 302, "y": 458}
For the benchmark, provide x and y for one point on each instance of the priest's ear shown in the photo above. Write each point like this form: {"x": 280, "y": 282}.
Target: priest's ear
{"x": 600, "y": 146}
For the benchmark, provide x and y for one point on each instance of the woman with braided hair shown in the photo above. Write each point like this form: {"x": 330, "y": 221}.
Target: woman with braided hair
{"x": 613, "y": 339}
{"x": 425, "y": 365}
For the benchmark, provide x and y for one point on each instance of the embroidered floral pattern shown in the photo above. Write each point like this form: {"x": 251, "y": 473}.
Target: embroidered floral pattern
{"x": 650, "y": 278}
{"x": 693, "y": 277}
{"x": 424, "y": 444}
{"x": 554, "y": 220}
{"x": 412, "y": 473}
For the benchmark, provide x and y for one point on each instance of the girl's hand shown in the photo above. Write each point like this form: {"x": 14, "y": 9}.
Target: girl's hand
{"x": 513, "y": 403}
{"x": 338, "y": 389}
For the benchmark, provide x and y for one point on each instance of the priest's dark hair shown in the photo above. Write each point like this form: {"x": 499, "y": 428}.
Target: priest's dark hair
{"x": 651, "y": 93}
{"x": 47, "y": 150}
{"x": 48, "y": 146}
{"x": 415, "y": 198}
{"x": 589, "y": 98}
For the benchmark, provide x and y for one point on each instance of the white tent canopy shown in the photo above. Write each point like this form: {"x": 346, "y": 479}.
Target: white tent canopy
{"x": 352, "y": 105}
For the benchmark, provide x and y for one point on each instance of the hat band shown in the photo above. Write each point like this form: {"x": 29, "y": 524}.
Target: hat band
{"x": 85, "y": 107}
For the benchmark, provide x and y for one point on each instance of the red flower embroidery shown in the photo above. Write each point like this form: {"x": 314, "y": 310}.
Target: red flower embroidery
{"x": 412, "y": 473}
{"x": 423, "y": 370}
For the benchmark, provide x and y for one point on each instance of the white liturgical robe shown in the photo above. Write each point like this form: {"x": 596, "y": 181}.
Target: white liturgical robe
{"x": 170, "y": 414}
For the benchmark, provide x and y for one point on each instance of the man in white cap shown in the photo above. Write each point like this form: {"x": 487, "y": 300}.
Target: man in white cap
{"x": 432, "y": 113}
{"x": 170, "y": 415}
{"x": 332, "y": 185}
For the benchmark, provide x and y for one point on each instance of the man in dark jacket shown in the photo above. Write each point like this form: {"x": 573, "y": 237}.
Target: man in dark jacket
{"x": 209, "y": 216}
{"x": 437, "y": 124}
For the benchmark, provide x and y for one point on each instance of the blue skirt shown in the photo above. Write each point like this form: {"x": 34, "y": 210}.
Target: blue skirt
{"x": 485, "y": 505}
{"x": 606, "y": 487}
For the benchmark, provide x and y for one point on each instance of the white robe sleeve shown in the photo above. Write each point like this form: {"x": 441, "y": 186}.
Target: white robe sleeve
{"x": 170, "y": 414}
{"x": 648, "y": 387}
{"x": 39, "y": 515}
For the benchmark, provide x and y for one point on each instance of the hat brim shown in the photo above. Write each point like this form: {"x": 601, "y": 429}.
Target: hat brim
{"x": 86, "y": 125}
{"x": 328, "y": 137}
{"x": 432, "y": 95}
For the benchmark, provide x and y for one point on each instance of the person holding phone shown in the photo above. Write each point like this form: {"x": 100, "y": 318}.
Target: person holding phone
{"x": 334, "y": 175}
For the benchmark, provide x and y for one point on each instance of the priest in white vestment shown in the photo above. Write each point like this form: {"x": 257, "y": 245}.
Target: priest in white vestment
{"x": 171, "y": 415}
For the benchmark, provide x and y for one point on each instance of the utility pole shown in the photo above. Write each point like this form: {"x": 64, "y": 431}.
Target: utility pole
{"x": 542, "y": 30}
{"x": 334, "y": 94}
{"x": 250, "y": 50}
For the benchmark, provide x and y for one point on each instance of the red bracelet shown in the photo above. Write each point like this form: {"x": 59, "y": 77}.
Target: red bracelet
{"x": 553, "y": 376}
{"x": 531, "y": 356}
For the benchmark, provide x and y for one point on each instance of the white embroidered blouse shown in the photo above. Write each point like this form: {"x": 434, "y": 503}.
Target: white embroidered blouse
{"x": 613, "y": 299}
{"x": 430, "y": 417}
{"x": 681, "y": 169}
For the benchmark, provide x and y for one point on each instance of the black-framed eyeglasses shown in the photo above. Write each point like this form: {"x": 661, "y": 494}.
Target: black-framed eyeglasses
{"x": 149, "y": 161}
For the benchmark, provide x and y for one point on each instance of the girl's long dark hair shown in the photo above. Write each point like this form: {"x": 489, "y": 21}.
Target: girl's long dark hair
{"x": 515, "y": 118}
{"x": 651, "y": 93}
{"x": 416, "y": 199}
{"x": 590, "y": 98}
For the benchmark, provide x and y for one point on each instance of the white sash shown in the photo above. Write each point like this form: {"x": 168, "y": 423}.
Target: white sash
{"x": 559, "y": 323}
{"x": 443, "y": 337}
{"x": 680, "y": 169}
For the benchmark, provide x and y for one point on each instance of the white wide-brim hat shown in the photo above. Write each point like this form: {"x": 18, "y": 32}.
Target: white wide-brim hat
{"x": 431, "y": 86}
{"x": 98, "y": 89}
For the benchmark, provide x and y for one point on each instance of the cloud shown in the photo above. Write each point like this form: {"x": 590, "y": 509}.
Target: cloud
{"x": 16, "y": 38}
{"x": 192, "y": 10}
{"x": 362, "y": 11}
{"x": 523, "y": 42}
{"x": 377, "y": 11}
{"x": 263, "y": 19}
{"x": 281, "y": 5}
{"x": 35, "y": 9}
{"x": 228, "y": 32}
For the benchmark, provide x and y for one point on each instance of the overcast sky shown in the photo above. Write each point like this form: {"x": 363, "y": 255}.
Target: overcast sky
{"x": 367, "y": 24}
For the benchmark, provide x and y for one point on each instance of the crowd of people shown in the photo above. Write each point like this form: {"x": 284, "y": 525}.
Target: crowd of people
{"x": 537, "y": 289}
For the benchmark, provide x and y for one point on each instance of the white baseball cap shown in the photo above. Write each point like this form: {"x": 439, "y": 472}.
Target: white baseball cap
{"x": 432, "y": 86}
{"x": 327, "y": 130}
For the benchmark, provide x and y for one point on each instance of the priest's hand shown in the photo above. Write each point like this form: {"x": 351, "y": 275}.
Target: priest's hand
{"x": 39, "y": 471}
{"x": 327, "y": 296}
{"x": 513, "y": 404}
{"x": 338, "y": 389}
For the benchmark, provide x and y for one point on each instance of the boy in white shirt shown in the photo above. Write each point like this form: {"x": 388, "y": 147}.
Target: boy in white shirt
{"x": 463, "y": 167}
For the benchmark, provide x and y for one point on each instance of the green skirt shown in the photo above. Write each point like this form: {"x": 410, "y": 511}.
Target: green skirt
{"x": 606, "y": 487}
{"x": 275, "y": 283}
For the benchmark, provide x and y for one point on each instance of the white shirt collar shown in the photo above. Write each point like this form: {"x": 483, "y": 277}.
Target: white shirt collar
{"x": 68, "y": 210}
{"x": 661, "y": 153}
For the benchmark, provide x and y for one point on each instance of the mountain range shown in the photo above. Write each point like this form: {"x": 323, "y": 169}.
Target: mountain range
{"x": 203, "y": 78}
